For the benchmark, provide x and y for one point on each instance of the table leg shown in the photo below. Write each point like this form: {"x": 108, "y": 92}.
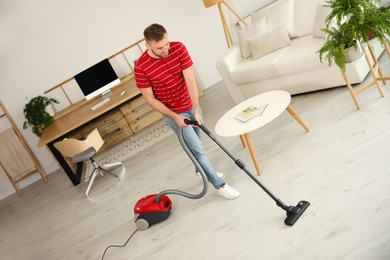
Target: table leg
{"x": 299, "y": 120}
{"x": 74, "y": 177}
{"x": 252, "y": 152}
{"x": 242, "y": 138}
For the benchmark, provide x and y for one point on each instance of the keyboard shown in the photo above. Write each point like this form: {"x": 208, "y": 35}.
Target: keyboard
{"x": 101, "y": 103}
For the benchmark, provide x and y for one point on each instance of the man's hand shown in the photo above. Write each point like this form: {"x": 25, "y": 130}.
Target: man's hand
{"x": 198, "y": 117}
{"x": 179, "y": 119}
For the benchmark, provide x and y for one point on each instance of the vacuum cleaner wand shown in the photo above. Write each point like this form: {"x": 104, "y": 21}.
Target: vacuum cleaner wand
{"x": 293, "y": 212}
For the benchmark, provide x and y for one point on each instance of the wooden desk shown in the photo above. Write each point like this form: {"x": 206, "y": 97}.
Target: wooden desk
{"x": 79, "y": 115}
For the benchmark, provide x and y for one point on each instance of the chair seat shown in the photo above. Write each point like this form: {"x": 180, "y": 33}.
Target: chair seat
{"x": 84, "y": 155}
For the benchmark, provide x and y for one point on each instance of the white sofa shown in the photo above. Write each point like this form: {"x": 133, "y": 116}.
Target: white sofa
{"x": 290, "y": 31}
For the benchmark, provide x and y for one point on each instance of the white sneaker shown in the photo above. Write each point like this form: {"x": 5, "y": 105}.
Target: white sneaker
{"x": 228, "y": 192}
{"x": 219, "y": 174}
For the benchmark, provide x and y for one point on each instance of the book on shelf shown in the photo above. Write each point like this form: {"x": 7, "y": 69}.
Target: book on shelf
{"x": 251, "y": 112}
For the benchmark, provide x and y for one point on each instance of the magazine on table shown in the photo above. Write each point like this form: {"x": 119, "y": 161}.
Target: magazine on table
{"x": 251, "y": 112}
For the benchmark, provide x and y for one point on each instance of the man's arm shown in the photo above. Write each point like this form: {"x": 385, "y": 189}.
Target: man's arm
{"x": 193, "y": 91}
{"x": 148, "y": 94}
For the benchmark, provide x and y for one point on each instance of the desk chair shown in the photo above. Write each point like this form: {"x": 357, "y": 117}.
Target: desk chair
{"x": 81, "y": 150}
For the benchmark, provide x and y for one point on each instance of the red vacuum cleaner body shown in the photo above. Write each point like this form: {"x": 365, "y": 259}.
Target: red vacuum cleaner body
{"x": 148, "y": 211}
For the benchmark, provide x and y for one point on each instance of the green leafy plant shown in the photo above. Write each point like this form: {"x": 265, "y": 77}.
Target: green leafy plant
{"x": 350, "y": 21}
{"x": 36, "y": 115}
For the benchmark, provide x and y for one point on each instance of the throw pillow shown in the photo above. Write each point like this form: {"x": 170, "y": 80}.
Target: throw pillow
{"x": 322, "y": 13}
{"x": 240, "y": 24}
{"x": 278, "y": 13}
{"x": 269, "y": 42}
{"x": 252, "y": 30}
{"x": 304, "y": 16}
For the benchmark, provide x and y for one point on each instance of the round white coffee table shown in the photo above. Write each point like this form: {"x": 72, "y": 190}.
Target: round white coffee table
{"x": 277, "y": 101}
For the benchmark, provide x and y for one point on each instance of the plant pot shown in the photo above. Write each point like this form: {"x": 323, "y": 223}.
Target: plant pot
{"x": 371, "y": 35}
{"x": 50, "y": 109}
{"x": 353, "y": 53}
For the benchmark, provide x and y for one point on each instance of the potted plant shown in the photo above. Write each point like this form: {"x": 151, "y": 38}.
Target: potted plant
{"x": 350, "y": 21}
{"x": 36, "y": 114}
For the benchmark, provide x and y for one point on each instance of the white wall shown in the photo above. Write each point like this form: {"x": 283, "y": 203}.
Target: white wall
{"x": 44, "y": 42}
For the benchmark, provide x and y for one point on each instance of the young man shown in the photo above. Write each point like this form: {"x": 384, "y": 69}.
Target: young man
{"x": 166, "y": 80}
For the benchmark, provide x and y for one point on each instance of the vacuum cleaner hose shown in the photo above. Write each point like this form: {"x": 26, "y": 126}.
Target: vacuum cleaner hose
{"x": 198, "y": 167}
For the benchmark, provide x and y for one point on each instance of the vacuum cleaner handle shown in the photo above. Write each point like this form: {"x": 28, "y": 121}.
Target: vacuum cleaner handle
{"x": 191, "y": 122}
{"x": 194, "y": 122}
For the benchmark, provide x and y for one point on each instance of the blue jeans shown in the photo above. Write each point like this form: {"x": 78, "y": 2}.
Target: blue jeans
{"x": 192, "y": 137}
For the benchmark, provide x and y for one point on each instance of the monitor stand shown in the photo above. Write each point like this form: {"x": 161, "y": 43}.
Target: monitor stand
{"x": 106, "y": 94}
{"x": 105, "y": 99}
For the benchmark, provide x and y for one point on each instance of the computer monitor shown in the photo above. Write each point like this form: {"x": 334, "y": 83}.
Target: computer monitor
{"x": 98, "y": 79}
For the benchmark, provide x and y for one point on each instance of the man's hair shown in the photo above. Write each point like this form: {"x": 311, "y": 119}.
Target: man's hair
{"x": 154, "y": 32}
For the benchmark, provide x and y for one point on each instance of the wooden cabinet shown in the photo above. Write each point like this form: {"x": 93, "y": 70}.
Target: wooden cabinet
{"x": 139, "y": 114}
{"x": 112, "y": 127}
{"x": 118, "y": 124}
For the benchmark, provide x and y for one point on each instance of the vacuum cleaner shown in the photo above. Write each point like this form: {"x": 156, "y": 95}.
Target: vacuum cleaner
{"x": 156, "y": 208}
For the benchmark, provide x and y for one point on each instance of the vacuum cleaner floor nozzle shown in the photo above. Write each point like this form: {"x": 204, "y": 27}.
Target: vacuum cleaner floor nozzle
{"x": 294, "y": 213}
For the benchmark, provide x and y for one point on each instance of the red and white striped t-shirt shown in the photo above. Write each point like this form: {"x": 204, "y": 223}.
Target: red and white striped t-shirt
{"x": 165, "y": 76}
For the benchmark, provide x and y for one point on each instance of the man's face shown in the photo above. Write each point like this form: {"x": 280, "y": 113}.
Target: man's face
{"x": 159, "y": 49}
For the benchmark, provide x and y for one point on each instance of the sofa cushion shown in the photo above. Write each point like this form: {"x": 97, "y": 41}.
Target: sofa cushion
{"x": 269, "y": 42}
{"x": 301, "y": 55}
{"x": 278, "y": 13}
{"x": 319, "y": 23}
{"x": 304, "y": 16}
{"x": 251, "y": 70}
{"x": 252, "y": 30}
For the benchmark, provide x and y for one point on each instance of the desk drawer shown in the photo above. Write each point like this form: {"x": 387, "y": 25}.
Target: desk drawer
{"x": 139, "y": 114}
{"x": 135, "y": 109}
{"x": 145, "y": 120}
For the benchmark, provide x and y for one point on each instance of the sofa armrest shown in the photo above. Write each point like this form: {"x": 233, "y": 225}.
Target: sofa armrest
{"x": 232, "y": 57}
{"x": 225, "y": 65}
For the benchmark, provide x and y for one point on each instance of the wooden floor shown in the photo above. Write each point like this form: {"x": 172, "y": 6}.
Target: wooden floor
{"x": 342, "y": 167}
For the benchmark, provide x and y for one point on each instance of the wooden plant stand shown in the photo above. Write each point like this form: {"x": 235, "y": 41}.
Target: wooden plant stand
{"x": 375, "y": 70}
